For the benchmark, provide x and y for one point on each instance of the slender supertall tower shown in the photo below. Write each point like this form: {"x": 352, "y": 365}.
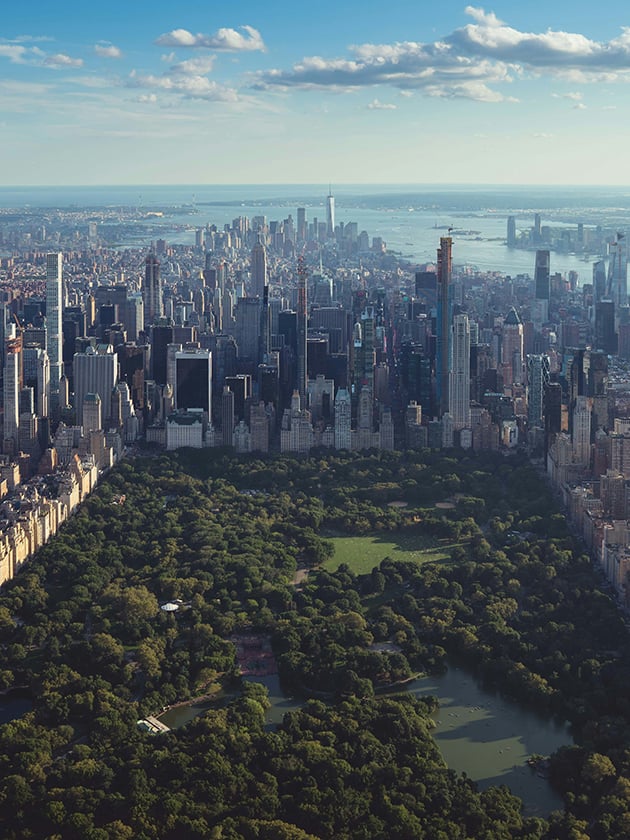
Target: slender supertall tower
{"x": 301, "y": 332}
{"x": 258, "y": 269}
{"x": 542, "y": 289}
{"x": 459, "y": 399}
{"x": 443, "y": 354}
{"x": 12, "y": 382}
{"x": 152, "y": 291}
{"x": 330, "y": 214}
{"x": 618, "y": 272}
{"x": 54, "y": 318}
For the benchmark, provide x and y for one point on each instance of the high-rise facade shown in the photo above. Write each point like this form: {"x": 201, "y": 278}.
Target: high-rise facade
{"x": 538, "y": 371}
{"x": 443, "y": 350}
{"x": 12, "y": 375}
{"x": 511, "y": 232}
{"x": 542, "y": 289}
{"x": 459, "y": 396}
{"x": 152, "y": 290}
{"x": 258, "y": 268}
{"x": 512, "y": 348}
{"x": 330, "y": 215}
{"x": 54, "y": 318}
{"x": 193, "y": 379}
{"x": 582, "y": 431}
{"x": 95, "y": 372}
{"x": 618, "y": 271}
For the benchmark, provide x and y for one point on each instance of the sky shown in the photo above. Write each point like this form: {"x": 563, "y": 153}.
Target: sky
{"x": 340, "y": 92}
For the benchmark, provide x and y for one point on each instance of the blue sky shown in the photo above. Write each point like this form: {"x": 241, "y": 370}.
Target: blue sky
{"x": 347, "y": 92}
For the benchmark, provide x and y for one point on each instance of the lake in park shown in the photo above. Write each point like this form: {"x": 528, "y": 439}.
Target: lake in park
{"x": 479, "y": 732}
{"x": 13, "y": 705}
{"x": 490, "y": 737}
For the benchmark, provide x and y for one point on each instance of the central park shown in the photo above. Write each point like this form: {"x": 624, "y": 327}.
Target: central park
{"x": 353, "y": 574}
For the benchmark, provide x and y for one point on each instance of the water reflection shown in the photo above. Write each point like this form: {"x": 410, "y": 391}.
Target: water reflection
{"x": 490, "y": 737}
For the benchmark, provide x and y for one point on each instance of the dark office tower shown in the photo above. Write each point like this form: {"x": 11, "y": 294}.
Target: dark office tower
{"x": 605, "y": 337}
{"x": 73, "y": 326}
{"x": 265, "y": 328}
{"x": 444, "y": 306}
{"x": 227, "y": 416}
{"x": 552, "y": 404}
{"x": 302, "y": 229}
{"x": 511, "y": 232}
{"x": 161, "y": 337}
{"x": 426, "y": 290}
{"x": 193, "y": 379}
{"x": 241, "y": 387}
{"x": 247, "y": 328}
{"x": 152, "y": 290}
{"x": 258, "y": 268}
{"x": 269, "y": 385}
{"x": 287, "y": 329}
{"x": 537, "y": 380}
{"x": 336, "y": 322}
{"x": 302, "y": 374}
{"x": 133, "y": 361}
{"x": 599, "y": 280}
{"x": 542, "y": 289}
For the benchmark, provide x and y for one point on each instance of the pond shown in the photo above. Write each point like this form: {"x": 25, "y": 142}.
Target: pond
{"x": 490, "y": 737}
{"x": 13, "y": 705}
{"x": 479, "y": 732}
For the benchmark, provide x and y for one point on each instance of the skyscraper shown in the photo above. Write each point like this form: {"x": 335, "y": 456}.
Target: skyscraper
{"x": 443, "y": 354}
{"x": 193, "y": 379}
{"x": 11, "y": 389}
{"x": 511, "y": 232}
{"x": 537, "y": 382}
{"x": 258, "y": 268}
{"x": 542, "y": 289}
{"x": 330, "y": 214}
{"x": 152, "y": 290}
{"x": 227, "y": 417}
{"x": 459, "y": 397}
{"x": 302, "y": 229}
{"x": 95, "y": 372}
{"x": 582, "y": 431}
{"x": 618, "y": 272}
{"x": 512, "y": 348}
{"x": 54, "y": 318}
{"x": 302, "y": 370}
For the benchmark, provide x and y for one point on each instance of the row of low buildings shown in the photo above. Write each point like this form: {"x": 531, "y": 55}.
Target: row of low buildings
{"x": 32, "y": 512}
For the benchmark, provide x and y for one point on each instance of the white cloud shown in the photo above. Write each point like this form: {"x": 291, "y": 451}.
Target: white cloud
{"x": 193, "y": 87}
{"x": 104, "y": 50}
{"x": 195, "y": 66}
{"x": 573, "y": 96}
{"x": 226, "y": 40}
{"x": 16, "y": 53}
{"x": 542, "y": 135}
{"x": 376, "y": 105}
{"x": 147, "y": 97}
{"x": 469, "y": 62}
{"x": 62, "y": 60}
{"x": 580, "y": 106}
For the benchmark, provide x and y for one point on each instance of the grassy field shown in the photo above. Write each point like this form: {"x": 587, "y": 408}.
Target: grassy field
{"x": 362, "y": 554}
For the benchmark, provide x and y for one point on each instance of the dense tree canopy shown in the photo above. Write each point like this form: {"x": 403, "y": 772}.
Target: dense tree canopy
{"x": 81, "y": 628}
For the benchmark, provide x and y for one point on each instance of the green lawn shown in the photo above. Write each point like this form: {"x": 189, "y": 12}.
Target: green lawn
{"x": 362, "y": 554}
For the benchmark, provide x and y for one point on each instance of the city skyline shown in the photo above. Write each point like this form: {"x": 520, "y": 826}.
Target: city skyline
{"x": 455, "y": 94}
